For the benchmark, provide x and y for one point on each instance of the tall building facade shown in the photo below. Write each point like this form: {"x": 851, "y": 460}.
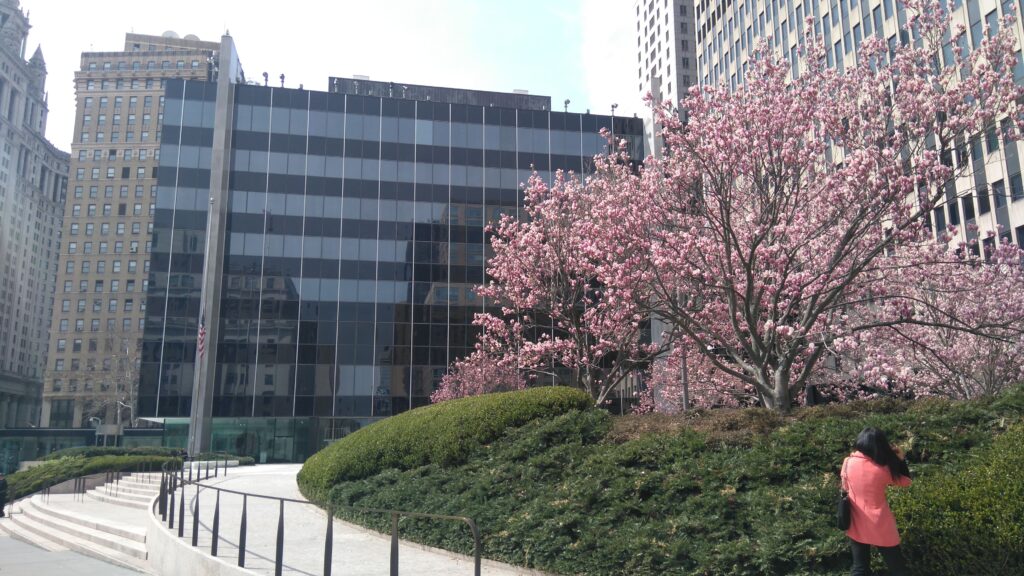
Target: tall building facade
{"x": 989, "y": 193}
{"x": 347, "y": 231}
{"x": 666, "y": 53}
{"x": 102, "y": 277}
{"x": 33, "y": 184}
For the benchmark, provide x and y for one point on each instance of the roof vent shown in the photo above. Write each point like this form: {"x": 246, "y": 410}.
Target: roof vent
{"x": 360, "y": 77}
{"x": 520, "y": 91}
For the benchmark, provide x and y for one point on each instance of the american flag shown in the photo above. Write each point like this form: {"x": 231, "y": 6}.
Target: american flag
{"x": 201, "y": 344}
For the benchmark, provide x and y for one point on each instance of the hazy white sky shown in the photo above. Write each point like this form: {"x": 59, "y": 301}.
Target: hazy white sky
{"x": 583, "y": 50}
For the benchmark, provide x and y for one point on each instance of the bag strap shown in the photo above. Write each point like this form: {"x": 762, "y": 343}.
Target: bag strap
{"x": 843, "y": 484}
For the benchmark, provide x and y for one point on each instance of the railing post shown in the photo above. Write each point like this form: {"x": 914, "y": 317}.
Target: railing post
{"x": 394, "y": 544}
{"x": 476, "y": 546}
{"x": 190, "y": 472}
{"x": 195, "y": 519}
{"x": 216, "y": 463}
{"x": 216, "y": 525}
{"x": 162, "y": 503}
{"x": 207, "y": 477}
{"x": 225, "y": 467}
{"x": 170, "y": 522}
{"x": 241, "y": 534}
{"x": 329, "y": 542}
{"x": 181, "y": 513}
{"x": 279, "y": 557}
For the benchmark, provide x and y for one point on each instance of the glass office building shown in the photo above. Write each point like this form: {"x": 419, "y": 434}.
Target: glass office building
{"x": 348, "y": 233}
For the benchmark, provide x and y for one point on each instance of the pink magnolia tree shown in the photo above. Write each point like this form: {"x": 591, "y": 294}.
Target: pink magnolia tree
{"x": 781, "y": 213}
{"x": 561, "y": 320}
{"x": 955, "y": 331}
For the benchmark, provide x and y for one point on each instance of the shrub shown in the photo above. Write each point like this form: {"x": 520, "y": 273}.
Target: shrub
{"x": 53, "y": 472}
{"x": 739, "y": 493}
{"x": 90, "y": 451}
{"x": 444, "y": 434}
{"x": 970, "y": 521}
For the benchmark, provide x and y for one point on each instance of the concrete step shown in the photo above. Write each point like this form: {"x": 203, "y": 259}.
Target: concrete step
{"x": 120, "y": 530}
{"x": 117, "y": 538}
{"x": 11, "y": 527}
{"x": 120, "y": 500}
{"x": 143, "y": 478}
{"x": 72, "y": 541}
{"x": 115, "y": 488}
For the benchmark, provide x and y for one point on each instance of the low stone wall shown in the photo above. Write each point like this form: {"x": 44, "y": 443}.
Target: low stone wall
{"x": 171, "y": 556}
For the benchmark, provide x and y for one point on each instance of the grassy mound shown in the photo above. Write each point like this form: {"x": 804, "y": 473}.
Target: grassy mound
{"x": 444, "y": 434}
{"x": 53, "y": 472}
{"x": 742, "y": 492}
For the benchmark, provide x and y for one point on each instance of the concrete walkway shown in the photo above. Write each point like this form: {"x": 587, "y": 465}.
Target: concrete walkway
{"x": 356, "y": 552}
{"x": 20, "y": 559}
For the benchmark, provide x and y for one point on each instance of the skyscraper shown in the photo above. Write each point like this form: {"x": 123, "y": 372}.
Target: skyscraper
{"x": 33, "y": 184}
{"x": 989, "y": 194}
{"x": 347, "y": 234}
{"x": 102, "y": 277}
{"x": 665, "y": 52}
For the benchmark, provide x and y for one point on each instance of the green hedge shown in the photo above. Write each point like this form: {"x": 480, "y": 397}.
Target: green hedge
{"x": 91, "y": 451}
{"x": 54, "y": 472}
{"x": 739, "y": 493}
{"x": 445, "y": 433}
{"x": 970, "y": 521}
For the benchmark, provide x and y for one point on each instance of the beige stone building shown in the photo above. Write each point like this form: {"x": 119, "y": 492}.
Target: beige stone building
{"x": 99, "y": 306}
{"x": 33, "y": 183}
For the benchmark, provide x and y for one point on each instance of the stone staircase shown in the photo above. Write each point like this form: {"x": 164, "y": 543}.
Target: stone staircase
{"x": 135, "y": 491}
{"x": 90, "y": 525}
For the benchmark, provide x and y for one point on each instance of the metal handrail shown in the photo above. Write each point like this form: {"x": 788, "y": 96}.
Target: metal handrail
{"x": 172, "y": 481}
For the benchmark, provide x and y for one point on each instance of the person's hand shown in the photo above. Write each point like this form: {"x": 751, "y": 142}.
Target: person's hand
{"x": 898, "y": 451}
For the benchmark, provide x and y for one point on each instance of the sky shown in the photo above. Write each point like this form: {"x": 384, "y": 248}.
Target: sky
{"x": 581, "y": 50}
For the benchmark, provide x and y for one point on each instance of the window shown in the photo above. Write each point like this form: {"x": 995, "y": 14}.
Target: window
{"x": 136, "y": 228}
{"x": 74, "y": 229}
{"x": 88, "y": 228}
{"x": 97, "y": 305}
{"x": 72, "y": 247}
{"x": 62, "y": 345}
{"x": 132, "y": 265}
{"x": 126, "y": 325}
{"x": 116, "y": 264}
{"x": 104, "y": 229}
{"x": 67, "y": 285}
{"x": 129, "y": 305}
{"x": 98, "y": 287}
{"x": 129, "y": 286}
{"x": 101, "y": 266}
{"x": 69, "y": 268}
{"x": 83, "y": 285}
{"x": 85, "y": 266}
{"x": 80, "y": 325}
{"x": 59, "y": 365}
{"x": 76, "y": 210}
{"x": 1016, "y": 187}
{"x": 64, "y": 325}
{"x": 81, "y": 305}
{"x": 92, "y": 209}
{"x": 65, "y": 306}
{"x": 107, "y": 209}
{"x": 983, "y": 205}
{"x": 110, "y": 173}
{"x": 94, "y": 326}
{"x": 120, "y": 229}
{"x": 115, "y": 286}
{"x": 112, "y": 305}
{"x": 118, "y": 247}
{"x": 999, "y": 193}
{"x": 137, "y": 210}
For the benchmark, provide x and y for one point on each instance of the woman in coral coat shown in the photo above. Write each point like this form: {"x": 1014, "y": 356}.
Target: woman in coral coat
{"x": 873, "y": 466}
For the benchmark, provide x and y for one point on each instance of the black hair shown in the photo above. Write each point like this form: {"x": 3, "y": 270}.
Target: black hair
{"x": 873, "y": 443}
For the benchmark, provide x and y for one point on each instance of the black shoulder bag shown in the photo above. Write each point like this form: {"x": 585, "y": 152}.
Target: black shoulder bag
{"x": 843, "y": 502}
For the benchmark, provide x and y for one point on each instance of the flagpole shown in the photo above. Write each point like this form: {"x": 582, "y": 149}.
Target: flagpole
{"x": 196, "y": 429}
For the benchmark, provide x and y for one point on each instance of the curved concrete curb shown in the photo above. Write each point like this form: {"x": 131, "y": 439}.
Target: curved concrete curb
{"x": 170, "y": 556}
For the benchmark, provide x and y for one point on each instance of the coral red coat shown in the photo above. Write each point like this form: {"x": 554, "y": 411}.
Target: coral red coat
{"x": 871, "y": 519}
